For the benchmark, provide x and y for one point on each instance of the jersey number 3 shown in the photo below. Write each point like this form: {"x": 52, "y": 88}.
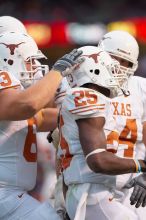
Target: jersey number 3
{"x": 6, "y": 79}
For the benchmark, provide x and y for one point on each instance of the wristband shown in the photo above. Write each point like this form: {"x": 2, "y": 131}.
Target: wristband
{"x": 96, "y": 151}
{"x": 137, "y": 166}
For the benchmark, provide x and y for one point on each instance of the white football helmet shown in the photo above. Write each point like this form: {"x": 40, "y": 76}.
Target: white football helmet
{"x": 123, "y": 45}
{"x": 8, "y": 23}
{"x": 98, "y": 68}
{"x": 17, "y": 49}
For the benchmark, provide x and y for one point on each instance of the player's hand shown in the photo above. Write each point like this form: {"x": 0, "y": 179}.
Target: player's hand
{"x": 63, "y": 214}
{"x": 66, "y": 64}
{"x": 138, "y": 196}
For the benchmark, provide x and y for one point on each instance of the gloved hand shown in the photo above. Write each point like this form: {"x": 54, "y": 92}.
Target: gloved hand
{"x": 63, "y": 214}
{"x": 68, "y": 62}
{"x": 138, "y": 195}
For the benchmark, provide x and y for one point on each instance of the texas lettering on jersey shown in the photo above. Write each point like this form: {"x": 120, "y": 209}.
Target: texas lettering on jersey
{"x": 121, "y": 108}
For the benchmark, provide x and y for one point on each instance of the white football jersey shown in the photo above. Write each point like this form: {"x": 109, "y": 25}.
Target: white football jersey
{"x": 80, "y": 103}
{"x": 129, "y": 113}
{"x": 61, "y": 91}
{"x": 18, "y": 153}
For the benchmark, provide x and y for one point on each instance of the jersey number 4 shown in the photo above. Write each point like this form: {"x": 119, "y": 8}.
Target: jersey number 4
{"x": 127, "y": 137}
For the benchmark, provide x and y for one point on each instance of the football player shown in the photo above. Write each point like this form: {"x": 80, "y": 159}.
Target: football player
{"x": 20, "y": 117}
{"x": 12, "y": 24}
{"x": 129, "y": 111}
{"x": 88, "y": 162}
{"x": 9, "y": 23}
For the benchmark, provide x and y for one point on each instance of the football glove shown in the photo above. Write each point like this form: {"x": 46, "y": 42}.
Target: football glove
{"x": 138, "y": 196}
{"x": 66, "y": 64}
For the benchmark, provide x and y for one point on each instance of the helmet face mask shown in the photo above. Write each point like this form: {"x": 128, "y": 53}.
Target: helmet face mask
{"x": 98, "y": 68}
{"x": 34, "y": 71}
{"x": 120, "y": 44}
{"x": 18, "y": 50}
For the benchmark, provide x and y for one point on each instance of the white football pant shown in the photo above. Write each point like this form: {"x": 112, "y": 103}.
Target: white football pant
{"x": 18, "y": 205}
{"x": 95, "y": 201}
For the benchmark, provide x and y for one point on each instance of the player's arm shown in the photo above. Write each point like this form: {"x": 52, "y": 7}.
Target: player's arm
{"x": 92, "y": 137}
{"x": 20, "y": 105}
{"x": 46, "y": 119}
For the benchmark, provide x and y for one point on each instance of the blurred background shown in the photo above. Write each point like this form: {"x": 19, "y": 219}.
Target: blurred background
{"x": 60, "y": 25}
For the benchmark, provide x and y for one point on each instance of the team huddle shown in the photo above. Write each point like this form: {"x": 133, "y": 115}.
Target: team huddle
{"x": 94, "y": 107}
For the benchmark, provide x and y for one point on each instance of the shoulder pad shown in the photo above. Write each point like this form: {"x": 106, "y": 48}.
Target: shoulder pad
{"x": 7, "y": 80}
{"x": 85, "y": 102}
{"x": 61, "y": 92}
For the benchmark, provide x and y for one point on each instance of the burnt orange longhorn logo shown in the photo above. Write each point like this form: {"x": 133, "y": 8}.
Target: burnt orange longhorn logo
{"x": 12, "y": 47}
{"x": 94, "y": 56}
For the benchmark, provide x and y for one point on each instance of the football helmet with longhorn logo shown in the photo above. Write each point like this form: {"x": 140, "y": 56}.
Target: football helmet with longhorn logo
{"x": 100, "y": 69}
{"x": 120, "y": 44}
{"x": 19, "y": 53}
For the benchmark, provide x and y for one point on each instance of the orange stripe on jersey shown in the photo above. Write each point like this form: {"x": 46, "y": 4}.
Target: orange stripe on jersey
{"x": 88, "y": 110}
{"x": 65, "y": 161}
{"x": 60, "y": 93}
{"x": 88, "y": 106}
{"x": 11, "y": 87}
{"x": 60, "y": 96}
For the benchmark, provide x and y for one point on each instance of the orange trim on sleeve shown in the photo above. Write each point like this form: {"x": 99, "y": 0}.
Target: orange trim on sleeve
{"x": 11, "y": 87}
{"x": 87, "y": 110}
{"x": 60, "y": 95}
